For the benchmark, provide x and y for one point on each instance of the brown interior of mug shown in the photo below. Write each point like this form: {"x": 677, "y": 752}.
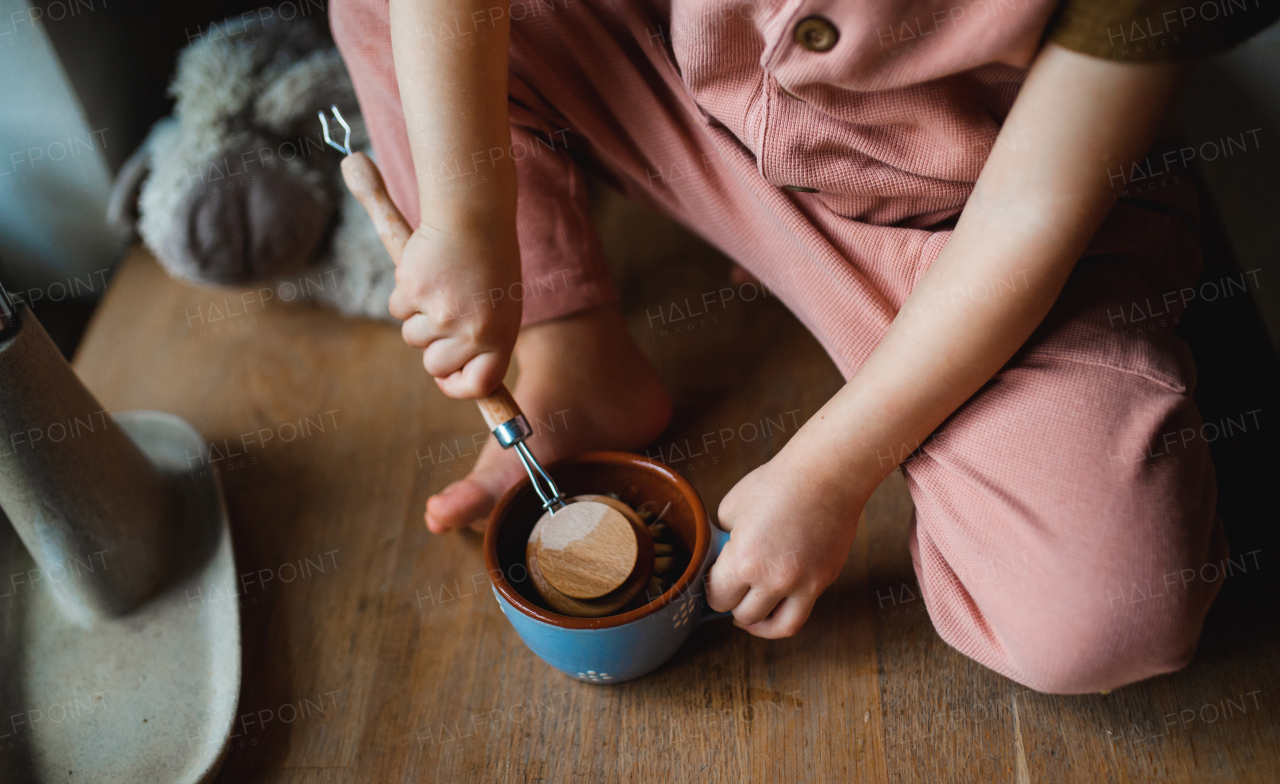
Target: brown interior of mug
{"x": 636, "y": 480}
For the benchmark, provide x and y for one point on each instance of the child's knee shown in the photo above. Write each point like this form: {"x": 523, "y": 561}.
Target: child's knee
{"x": 1072, "y": 622}
{"x": 1093, "y": 652}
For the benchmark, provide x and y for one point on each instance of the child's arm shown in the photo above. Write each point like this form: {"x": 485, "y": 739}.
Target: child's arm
{"x": 451, "y": 65}
{"x": 1041, "y": 196}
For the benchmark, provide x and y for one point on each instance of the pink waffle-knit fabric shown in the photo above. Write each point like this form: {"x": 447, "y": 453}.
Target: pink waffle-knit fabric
{"x": 1060, "y": 511}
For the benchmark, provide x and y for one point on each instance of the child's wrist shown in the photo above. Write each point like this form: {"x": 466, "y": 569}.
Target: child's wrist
{"x": 466, "y": 219}
{"x": 484, "y": 206}
{"x": 837, "y": 466}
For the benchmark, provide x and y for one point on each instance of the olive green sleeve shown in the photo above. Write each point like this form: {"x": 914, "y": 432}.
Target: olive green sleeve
{"x": 1157, "y": 30}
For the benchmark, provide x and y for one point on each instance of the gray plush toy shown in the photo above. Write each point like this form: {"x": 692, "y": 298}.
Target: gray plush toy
{"x": 238, "y": 187}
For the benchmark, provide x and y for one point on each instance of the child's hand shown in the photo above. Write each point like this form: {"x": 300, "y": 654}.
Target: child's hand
{"x": 791, "y": 534}
{"x": 458, "y": 296}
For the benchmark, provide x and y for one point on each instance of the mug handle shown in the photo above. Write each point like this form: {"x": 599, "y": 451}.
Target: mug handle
{"x": 719, "y": 538}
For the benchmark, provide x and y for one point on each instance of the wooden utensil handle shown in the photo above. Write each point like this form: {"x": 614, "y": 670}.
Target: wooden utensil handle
{"x": 499, "y": 408}
{"x": 365, "y": 181}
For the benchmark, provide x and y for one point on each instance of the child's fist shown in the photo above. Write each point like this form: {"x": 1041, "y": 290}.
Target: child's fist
{"x": 453, "y": 292}
{"x": 791, "y": 536}
{"x": 453, "y": 286}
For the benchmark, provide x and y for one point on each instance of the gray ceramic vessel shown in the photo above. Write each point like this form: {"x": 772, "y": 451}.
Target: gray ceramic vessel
{"x": 79, "y": 492}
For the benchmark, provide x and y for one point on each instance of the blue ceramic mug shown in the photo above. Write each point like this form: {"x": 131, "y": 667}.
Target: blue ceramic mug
{"x": 620, "y": 647}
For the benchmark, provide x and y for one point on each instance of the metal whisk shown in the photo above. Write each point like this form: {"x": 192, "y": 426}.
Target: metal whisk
{"x": 345, "y": 147}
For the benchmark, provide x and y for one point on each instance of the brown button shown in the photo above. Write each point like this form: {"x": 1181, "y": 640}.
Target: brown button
{"x": 799, "y": 189}
{"x": 816, "y": 34}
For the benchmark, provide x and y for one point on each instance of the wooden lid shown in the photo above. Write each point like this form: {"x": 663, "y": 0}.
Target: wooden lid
{"x": 586, "y": 550}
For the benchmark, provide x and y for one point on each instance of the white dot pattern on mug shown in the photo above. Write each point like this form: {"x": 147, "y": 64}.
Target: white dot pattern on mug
{"x": 685, "y": 613}
{"x": 595, "y": 677}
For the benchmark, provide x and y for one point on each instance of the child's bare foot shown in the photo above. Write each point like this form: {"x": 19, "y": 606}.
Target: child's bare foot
{"x": 583, "y": 376}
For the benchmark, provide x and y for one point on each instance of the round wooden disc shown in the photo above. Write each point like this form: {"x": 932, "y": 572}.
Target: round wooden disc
{"x": 621, "y": 506}
{"x": 587, "y": 549}
{"x": 610, "y": 603}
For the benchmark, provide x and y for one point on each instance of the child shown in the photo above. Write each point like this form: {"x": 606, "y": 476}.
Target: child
{"x": 932, "y": 189}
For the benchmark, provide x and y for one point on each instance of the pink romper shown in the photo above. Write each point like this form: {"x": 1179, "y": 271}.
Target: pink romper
{"x": 824, "y": 146}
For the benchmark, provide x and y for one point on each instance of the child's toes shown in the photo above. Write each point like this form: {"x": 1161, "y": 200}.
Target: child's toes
{"x": 458, "y": 505}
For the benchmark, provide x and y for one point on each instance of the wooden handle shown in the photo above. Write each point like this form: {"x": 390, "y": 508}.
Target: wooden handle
{"x": 366, "y": 184}
{"x": 499, "y": 408}
{"x": 365, "y": 181}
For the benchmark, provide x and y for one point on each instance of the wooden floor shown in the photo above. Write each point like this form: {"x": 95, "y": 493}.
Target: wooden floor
{"x": 386, "y": 648}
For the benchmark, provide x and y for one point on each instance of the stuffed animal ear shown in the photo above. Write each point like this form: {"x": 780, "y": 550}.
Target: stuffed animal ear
{"x": 122, "y": 207}
{"x": 214, "y": 81}
{"x": 271, "y": 225}
{"x": 287, "y": 106}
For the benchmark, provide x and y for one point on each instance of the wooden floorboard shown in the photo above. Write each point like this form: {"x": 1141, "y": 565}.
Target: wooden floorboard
{"x": 375, "y": 652}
